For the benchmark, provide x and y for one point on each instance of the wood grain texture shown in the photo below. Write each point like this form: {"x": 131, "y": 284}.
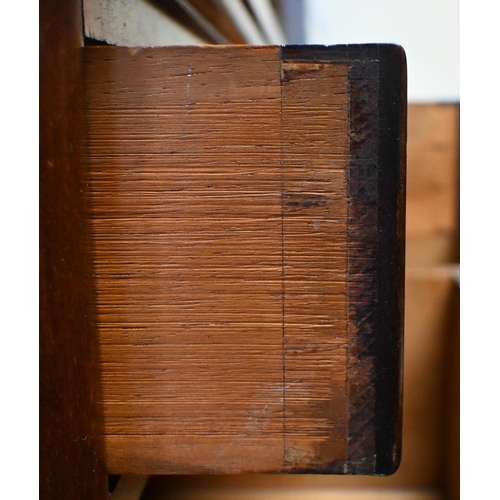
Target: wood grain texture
{"x": 315, "y": 105}
{"x": 237, "y": 245}
{"x": 185, "y": 183}
{"x": 376, "y": 228}
{"x": 71, "y": 444}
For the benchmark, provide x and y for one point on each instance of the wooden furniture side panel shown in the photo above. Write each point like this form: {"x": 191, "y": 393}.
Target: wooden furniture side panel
{"x": 186, "y": 216}
{"x": 249, "y": 246}
{"x": 71, "y": 445}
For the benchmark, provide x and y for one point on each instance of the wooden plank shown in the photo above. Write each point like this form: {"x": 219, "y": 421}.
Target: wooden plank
{"x": 315, "y": 108}
{"x": 429, "y": 293}
{"x": 71, "y": 445}
{"x": 452, "y": 399}
{"x": 187, "y": 227}
{"x": 239, "y": 257}
{"x": 432, "y": 213}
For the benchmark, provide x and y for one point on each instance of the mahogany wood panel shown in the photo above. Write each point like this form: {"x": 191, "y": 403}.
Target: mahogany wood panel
{"x": 248, "y": 218}
{"x": 71, "y": 445}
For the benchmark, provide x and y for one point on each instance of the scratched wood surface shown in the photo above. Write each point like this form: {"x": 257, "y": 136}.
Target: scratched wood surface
{"x": 224, "y": 190}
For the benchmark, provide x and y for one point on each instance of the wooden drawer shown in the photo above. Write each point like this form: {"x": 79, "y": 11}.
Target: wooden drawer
{"x": 247, "y": 233}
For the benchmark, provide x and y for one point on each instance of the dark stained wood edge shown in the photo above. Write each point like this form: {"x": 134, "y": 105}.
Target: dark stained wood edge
{"x": 377, "y": 191}
{"x": 391, "y": 257}
{"x": 71, "y": 448}
{"x": 362, "y": 287}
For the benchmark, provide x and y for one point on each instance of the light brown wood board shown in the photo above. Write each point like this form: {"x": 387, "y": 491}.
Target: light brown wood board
{"x": 433, "y": 184}
{"x": 236, "y": 219}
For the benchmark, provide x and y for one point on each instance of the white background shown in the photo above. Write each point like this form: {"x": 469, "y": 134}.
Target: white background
{"x": 428, "y": 30}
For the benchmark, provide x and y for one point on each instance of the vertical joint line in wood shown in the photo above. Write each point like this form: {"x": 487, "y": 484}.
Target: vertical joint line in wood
{"x": 283, "y": 256}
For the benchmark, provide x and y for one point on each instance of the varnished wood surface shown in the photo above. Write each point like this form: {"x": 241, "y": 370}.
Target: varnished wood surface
{"x": 71, "y": 445}
{"x": 238, "y": 330}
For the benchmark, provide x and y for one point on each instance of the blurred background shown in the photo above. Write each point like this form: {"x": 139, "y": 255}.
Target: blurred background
{"x": 428, "y": 30}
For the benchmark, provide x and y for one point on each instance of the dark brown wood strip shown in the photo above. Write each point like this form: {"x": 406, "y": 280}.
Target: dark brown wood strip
{"x": 71, "y": 446}
{"x": 363, "y": 277}
{"x": 391, "y": 254}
